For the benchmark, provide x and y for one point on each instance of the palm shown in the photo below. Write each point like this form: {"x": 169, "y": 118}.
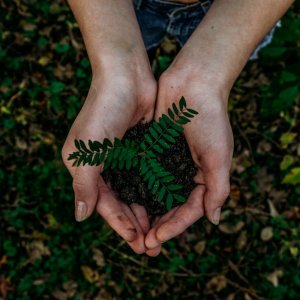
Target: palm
{"x": 107, "y": 113}
{"x": 209, "y": 137}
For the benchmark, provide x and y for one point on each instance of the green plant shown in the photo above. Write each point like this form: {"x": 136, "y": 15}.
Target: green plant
{"x": 129, "y": 154}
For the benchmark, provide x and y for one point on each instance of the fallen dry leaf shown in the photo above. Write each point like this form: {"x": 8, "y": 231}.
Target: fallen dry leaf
{"x": 21, "y": 144}
{"x": 60, "y": 295}
{"x": 231, "y": 297}
{"x": 242, "y": 239}
{"x": 36, "y": 249}
{"x": 294, "y": 251}
{"x": 273, "y": 210}
{"x": 264, "y": 146}
{"x": 89, "y": 274}
{"x": 3, "y": 260}
{"x": 266, "y": 234}
{"x": 37, "y": 235}
{"x": 247, "y": 296}
{"x": 200, "y": 247}
{"x": 44, "y": 60}
{"x": 216, "y": 284}
{"x": 231, "y": 229}
{"x": 52, "y": 222}
{"x": 274, "y": 277}
{"x": 98, "y": 257}
{"x": 235, "y": 195}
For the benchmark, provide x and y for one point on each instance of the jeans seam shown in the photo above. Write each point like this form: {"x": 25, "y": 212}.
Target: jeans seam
{"x": 167, "y": 2}
{"x": 206, "y": 6}
{"x": 176, "y": 10}
{"x": 137, "y": 4}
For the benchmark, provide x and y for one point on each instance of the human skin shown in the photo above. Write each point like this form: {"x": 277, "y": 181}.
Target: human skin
{"x": 123, "y": 92}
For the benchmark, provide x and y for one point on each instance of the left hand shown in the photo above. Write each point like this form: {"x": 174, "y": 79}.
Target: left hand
{"x": 210, "y": 140}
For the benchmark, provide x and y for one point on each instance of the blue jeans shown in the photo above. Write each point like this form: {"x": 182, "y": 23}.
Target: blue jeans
{"x": 160, "y": 18}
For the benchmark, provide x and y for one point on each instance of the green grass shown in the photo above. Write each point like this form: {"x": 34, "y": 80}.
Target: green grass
{"x": 45, "y": 254}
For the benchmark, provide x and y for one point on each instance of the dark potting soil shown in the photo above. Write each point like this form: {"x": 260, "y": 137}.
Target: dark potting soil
{"x": 131, "y": 188}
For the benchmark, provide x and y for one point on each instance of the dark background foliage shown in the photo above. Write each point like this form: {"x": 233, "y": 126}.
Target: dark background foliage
{"x": 45, "y": 254}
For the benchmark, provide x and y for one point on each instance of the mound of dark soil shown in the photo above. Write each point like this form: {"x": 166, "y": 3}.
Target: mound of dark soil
{"x": 131, "y": 188}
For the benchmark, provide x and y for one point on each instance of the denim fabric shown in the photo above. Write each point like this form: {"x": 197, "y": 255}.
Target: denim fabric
{"x": 160, "y": 18}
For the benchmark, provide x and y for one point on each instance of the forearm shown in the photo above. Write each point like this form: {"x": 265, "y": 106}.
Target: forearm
{"x": 223, "y": 42}
{"x": 109, "y": 29}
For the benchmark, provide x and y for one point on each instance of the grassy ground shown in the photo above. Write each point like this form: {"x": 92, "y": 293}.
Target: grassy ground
{"x": 45, "y": 254}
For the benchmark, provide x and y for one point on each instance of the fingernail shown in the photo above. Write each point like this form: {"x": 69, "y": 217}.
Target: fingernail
{"x": 80, "y": 211}
{"x": 216, "y": 216}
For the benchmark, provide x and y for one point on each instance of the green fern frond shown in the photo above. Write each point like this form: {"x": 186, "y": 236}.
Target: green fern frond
{"x": 122, "y": 155}
{"x": 112, "y": 154}
{"x": 159, "y": 181}
{"x": 93, "y": 154}
{"x": 168, "y": 128}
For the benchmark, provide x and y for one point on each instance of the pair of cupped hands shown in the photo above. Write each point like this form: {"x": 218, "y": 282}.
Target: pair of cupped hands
{"x": 123, "y": 93}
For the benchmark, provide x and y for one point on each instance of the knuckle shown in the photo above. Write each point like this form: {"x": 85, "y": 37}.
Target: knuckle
{"x": 139, "y": 250}
{"x": 79, "y": 186}
{"x": 130, "y": 234}
{"x": 224, "y": 192}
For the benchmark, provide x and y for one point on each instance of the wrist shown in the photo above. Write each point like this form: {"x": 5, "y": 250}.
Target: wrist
{"x": 125, "y": 77}
{"x": 198, "y": 82}
{"x": 110, "y": 31}
{"x": 203, "y": 68}
{"x": 120, "y": 63}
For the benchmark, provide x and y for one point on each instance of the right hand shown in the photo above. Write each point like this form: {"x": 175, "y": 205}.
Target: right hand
{"x": 210, "y": 141}
{"x": 119, "y": 98}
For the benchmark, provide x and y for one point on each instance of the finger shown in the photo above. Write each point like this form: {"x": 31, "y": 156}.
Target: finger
{"x": 138, "y": 244}
{"x": 151, "y": 241}
{"x": 154, "y": 252}
{"x": 141, "y": 216}
{"x": 217, "y": 190}
{"x": 121, "y": 218}
{"x": 85, "y": 186}
{"x": 187, "y": 214}
{"x": 199, "y": 177}
{"x": 113, "y": 213}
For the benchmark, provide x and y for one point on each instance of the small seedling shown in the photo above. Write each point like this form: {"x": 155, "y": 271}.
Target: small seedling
{"x": 127, "y": 154}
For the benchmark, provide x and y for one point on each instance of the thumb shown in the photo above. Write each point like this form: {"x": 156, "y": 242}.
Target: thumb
{"x": 85, "y": 186}
{"x": 217, "y": 191}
